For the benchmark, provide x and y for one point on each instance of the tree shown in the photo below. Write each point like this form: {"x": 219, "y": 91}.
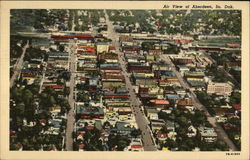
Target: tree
{"x": 28, "y": 96}
{"x": 147, "y": 46}
{"x": 170, "y": 143}
{"x": 121, "y": 145}
{"x": 221, "y": 145}
{"x": 66, "y": 91}
{"x": 235, "y": 98}
{"x": 135, "y": 133}
{"x": 61, "y": 48}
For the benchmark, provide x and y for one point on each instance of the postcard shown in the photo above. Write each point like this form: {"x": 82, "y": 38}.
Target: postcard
{"x": 124, "y": 80}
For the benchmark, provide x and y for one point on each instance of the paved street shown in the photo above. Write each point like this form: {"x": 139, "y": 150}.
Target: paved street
{"x": 220, "y": 131}
{"x": 70, "y": 115}
{"x": 136, "y": 106}
{"x": 18, "y": 66}
{"x": 43, "y": 77}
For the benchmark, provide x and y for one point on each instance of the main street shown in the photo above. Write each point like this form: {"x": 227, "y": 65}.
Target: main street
{"x": 70, "y": 115}
{"x": 147, "y": 137}
{"x": 18, "y": 66}
{"x": 220, "y": 131}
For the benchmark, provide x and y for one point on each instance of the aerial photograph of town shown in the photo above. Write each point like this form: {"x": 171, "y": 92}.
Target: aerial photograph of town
{"x": 125, "y": 80}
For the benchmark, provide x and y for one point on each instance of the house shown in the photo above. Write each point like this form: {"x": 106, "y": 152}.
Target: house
{"x": 181, "y": 92}
{"x": 161, "y": 136}
{"x": 135, "y": 145}
{"x": 55, "y": 86}
{"x": 237, "y": 107}
{"x": 224, "y": 89}
{"x": 55, "y": 110}
{"x": 170, "y": 126}
{"x": 54, "y": 129}
{"x": 172, "y": 97}
{"x": 207, "y": 134}
{"x": 185, "y": 103}
{"x": 229, "y": 126}
{"x": 157, "y": 124}
{"x": 151, "y": 113}
{"x": 191, "y": 131}
{"x": 35, "y": 63}
{"x": 220, "y": 113}
{"x": 29, "y": 77}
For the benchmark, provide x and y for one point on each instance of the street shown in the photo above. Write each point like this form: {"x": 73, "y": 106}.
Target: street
{"x": 70, "y": 115}
{"x": 135, "y": 104}
{"x": 19, "y": 65}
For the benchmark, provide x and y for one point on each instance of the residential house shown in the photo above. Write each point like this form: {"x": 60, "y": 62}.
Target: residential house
{"x": 207, "y": 134}
{"x": 191, "y": 131}
{"x": 185, "y": 103}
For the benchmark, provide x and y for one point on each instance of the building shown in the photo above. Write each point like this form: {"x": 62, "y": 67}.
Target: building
{"x": 155, "y": 51}
{"x": 125, "y": 38}
{"x": 207, "y": 134}
{"x": 138, "y": 67}
{"x": 219, "y": 88}
{"x": 102, "y": 47}
{"x": 157, "y": 124}
{"x": 89, "y": 112}
{"x": 109, "y": 57}
{"x": 183, "y": 60}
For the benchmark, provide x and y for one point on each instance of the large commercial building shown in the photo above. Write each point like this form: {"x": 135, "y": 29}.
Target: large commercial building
{"x": 219, "y": 88}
